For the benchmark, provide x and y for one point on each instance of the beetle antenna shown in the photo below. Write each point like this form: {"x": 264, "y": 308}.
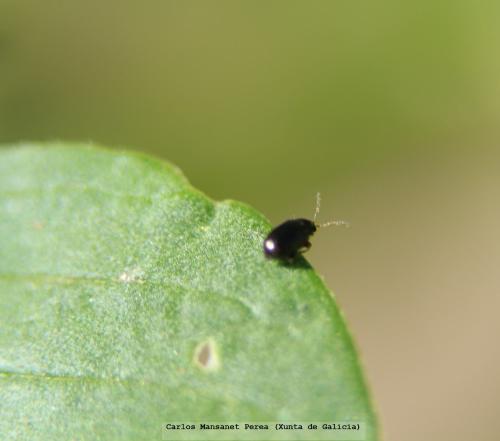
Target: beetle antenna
{"x": 318, "y": 203}
{"x": 335, "y": 222}
{"x": 330, "y": 223}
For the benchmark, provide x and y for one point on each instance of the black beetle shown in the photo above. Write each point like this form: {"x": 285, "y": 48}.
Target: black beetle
{"x": 291, "y": 238}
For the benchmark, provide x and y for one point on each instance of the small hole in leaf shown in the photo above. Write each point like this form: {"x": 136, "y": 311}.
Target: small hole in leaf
{"x": 206, "y": 355}
{"x": 133, "y": 275}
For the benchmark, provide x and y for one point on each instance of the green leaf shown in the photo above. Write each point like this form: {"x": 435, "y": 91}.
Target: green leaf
{"x": 128, "y": 299}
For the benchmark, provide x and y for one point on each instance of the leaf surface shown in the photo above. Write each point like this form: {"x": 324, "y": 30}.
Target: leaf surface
{"x": 129, "y": 299}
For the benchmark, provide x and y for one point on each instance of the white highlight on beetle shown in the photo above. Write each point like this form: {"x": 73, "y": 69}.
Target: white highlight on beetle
{"x": 326, "y": 224}
{"x": 270, "y": 245}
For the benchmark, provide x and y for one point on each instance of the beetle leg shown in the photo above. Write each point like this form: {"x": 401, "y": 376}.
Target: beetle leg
{"x": 305, "y": 247}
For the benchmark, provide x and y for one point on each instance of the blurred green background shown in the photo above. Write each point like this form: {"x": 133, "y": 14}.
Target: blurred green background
{"x": 390, "y": 109}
